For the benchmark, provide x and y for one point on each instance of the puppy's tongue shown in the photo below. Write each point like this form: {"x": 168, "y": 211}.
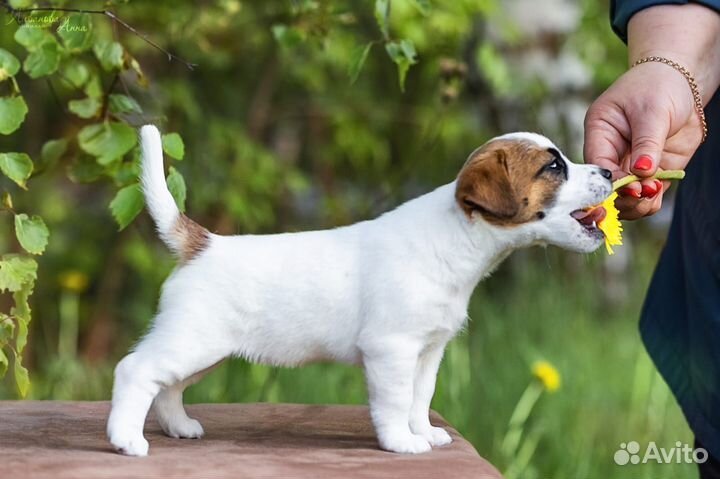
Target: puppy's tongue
{"x": 587, "y": 217}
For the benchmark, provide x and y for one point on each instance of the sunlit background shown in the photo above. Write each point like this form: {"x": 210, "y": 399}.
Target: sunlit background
{"x": 278, "y": 137}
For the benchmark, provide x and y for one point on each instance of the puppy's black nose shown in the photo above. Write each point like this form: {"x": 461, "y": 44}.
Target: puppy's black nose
{"x": 606, "y": 173}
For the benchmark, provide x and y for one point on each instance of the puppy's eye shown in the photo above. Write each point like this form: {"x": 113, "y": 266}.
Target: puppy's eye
{"x": 556, "y": 165}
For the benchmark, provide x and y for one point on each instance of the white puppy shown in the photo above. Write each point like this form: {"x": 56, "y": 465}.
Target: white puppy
{"x": 387, "y": 294}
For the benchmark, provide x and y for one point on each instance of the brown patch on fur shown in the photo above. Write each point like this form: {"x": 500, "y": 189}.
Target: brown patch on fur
{"x": 500, "y": 181}
{"x": 193, "y": 237}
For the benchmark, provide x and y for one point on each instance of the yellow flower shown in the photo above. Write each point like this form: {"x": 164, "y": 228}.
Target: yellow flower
{"x": 73, "y": 280}
{"x": 610, "y": 225}
{"x": 547, "y": 374}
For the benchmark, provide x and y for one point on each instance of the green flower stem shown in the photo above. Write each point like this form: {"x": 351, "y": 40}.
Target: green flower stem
{"x": 522, "y": 411}
{"x": 661, "y": 175}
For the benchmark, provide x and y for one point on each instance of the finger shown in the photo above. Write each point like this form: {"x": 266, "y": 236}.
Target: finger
{"x": 632, "y": 190}
{"x": 633, "y": 208}
{"x": 604, "y": 145}
{"x": 650, "y": 188}
{"x": 656, "y": 204}
{"x": 649, "y": 132}
{"x": 666, "y": 185}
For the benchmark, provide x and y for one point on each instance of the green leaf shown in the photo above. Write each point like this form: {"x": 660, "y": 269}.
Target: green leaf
{"x": 6, "y": 201}
{"x": 21, "y": 310}
{"x": 357, "y": 60}
{"x": 16, "y": 166}
{"x": 176, "y": 185}
{"x": 32, "y": 233}
{"x": 76, "y": 72}
{"x": 126, "y": 173}
{"x": 21, "y": 3}
{"x": 32, "y": 37}
{"x": 173, "y": 145}
{"x": 287, "y": 37}
{"x": 127, "y": 204}
{"x": 382, "y": 16}
{"x": 422, "y": 5}
{"x": 403, "y": 55}
{"x": 110, "y": 55}
{"x": 76, "y": 32}
{"x": 22, "y": 334}
{"x": 16, "y": 271}
{"x": 107, "y": 141}
{"x": 9, "y": 64}
{"x": 7, "y": 329}
{"x": 93, "y": 88}
{"x": 43, "y": 61}
{"x": 22, "y": 380}
{"x": 85, "y": 108}
{"x": 85, "y": 169}
{"x": 52, "y": 151}
{"x": 3, "y": 362}
{"x": 123, "y": 104}
{"x": 12, "y": 113}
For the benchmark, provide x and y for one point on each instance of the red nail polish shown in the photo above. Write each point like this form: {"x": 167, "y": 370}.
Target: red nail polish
{"x": 659, "y": 185}
{"x": 649, "y": 191}
{"x": 630, "y": 192}
{"x": 644, "y": 163}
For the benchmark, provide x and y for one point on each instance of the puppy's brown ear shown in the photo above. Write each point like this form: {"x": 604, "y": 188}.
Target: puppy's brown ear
{"x": 483, "y": 185}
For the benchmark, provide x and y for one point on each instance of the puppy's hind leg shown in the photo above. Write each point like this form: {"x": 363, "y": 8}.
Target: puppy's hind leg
{"x": 159, "y": 361}
{"x": 170, "y": 413}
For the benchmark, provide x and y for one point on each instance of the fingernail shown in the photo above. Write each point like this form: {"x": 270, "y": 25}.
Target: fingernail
{"x": 644, "y": 163}
{"x": 627, "y": 191}
{"x": 659, "y": 185}
{"x": 649, "y": 191}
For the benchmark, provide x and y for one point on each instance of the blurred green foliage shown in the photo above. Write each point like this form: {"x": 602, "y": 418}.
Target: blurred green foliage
{"x": 307, "y": 114}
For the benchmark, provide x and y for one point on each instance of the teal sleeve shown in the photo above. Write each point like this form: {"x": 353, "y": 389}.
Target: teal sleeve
{"x": 622, "y": 10}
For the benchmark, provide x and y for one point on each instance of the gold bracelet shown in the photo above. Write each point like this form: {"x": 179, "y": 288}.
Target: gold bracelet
{"x": 697, "y": 98}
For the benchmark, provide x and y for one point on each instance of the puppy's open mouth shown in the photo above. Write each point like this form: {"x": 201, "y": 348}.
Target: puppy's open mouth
{"x": 589, "y": 219}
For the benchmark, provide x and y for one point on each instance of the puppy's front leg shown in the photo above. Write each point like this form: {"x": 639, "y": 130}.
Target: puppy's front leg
{"x": 425, "y": 376}
{"x": 389, "y": 368}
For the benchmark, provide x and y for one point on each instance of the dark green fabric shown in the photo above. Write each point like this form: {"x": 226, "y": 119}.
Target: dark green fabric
{"x": 680, "y": 321}
{"x": 622, "y": 10}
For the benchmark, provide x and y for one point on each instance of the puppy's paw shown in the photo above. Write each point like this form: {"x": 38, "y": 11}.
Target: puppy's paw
{"x": 404, "y": 443}
{"x": 129, "y": 444}
{"x": 185, "y": 428}
{"x": 437, "y": 436}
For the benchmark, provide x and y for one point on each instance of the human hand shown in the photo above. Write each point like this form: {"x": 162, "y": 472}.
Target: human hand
{"x": 647, "y": 119}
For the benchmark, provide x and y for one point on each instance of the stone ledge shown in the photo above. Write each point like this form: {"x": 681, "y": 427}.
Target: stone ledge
{"x": 64, "y": 440}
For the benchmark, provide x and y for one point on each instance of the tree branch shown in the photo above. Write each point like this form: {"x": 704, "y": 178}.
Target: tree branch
{"x": 15, "y": 13}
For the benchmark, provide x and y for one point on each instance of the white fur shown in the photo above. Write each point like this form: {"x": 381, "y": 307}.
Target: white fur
{"x": 387, "y": 294}
{"x": 157, "y": 196}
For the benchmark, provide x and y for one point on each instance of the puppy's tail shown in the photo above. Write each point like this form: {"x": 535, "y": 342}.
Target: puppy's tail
{"x": 183, "y": 236}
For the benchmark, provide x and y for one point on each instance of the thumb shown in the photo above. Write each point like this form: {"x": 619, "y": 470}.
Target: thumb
{"x": 647, "y": 143}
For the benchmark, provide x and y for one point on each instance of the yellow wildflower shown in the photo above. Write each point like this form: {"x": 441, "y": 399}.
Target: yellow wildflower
{"x": 610, "y": 225}
{"x": 547, "y": 374}
{"x": 73, "y": 280}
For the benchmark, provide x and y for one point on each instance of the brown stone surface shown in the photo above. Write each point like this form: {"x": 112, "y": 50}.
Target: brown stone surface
{"x": 63, "y": 440}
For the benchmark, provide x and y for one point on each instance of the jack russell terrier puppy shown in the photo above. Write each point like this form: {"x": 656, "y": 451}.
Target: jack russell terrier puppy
{"x": 387, "y": 294}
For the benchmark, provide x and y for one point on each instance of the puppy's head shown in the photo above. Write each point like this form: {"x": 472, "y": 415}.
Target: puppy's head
{"x": 522, "y": 183}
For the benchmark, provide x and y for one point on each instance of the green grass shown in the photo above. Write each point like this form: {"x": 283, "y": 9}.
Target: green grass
{"x": 540, "y": 305}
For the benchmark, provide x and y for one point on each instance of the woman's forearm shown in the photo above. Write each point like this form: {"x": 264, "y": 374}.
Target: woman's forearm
{"x": 687, "y": 34}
